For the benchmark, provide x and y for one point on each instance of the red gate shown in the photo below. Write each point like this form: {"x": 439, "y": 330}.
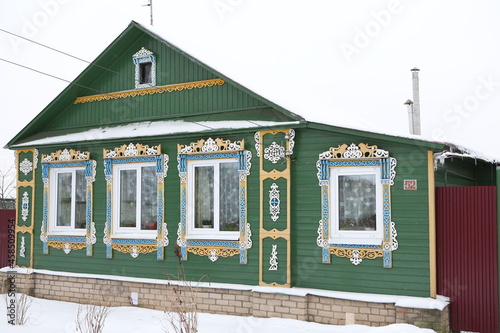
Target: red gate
{"x": 6, "y": 215}
{"x": 467, "y": 256}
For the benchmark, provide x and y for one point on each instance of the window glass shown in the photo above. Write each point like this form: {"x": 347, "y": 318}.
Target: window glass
{"x": 128, "y": 195}
{"x": 357, "y": 202}
{"x": 204, "y": 197}
{"x": 148, "y": 200}
{"x": 229, "y": 205}
{"x": 64, "y": 181}
{"x": 80, "y": 200}
{"x": 145, "y": 73}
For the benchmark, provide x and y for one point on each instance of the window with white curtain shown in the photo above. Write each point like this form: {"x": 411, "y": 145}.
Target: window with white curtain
{"x": 68, "y": 201}
{"x": 213, "y": 204}
{"x": 135, "y": 203}
{"x": 357, "y": 214}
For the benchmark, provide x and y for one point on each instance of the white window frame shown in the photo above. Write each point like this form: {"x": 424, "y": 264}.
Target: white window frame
{"x": 129, "y": 232}
{"x": 209, "y": 233}
{"x": 54, "y": 229}
{"x": 362, "y": 237}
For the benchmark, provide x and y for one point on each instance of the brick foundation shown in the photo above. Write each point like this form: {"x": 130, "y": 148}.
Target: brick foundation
{"x": 237, "y": 301}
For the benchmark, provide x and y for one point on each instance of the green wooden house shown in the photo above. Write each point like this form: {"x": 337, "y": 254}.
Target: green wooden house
{"x": 150, "y": 157}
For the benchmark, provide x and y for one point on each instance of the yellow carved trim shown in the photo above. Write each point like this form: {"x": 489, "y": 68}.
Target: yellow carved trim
{"x": 72, "y": 245}
{"x": 275, "y": 174}
{"x": 211, "y": 146}
{"x": 24, "y": 229}
{"x": 142, "y": 249}
{"x": 432, "y": 224}
{"x": 67, "y": 155}
{"x": 25, "y": 183}
{"x": 275, "y": 233}
{"x": 207, "y": 251}
{"x": 150, "y": 91}
{"x": 362, "y": 254}
{"x": 274, "y": 284}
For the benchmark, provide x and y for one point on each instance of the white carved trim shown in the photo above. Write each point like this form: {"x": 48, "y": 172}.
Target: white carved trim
{"x": 273, "y": 260}
{"x": 257, "y": 143}
{"x": 143, "y": 52}
{"x": 25, "y": 166}
{"x": 25, "y": 206}
{"x": 274, "y": 152}
{"x": 213, "y": 255}
{"x": 22, "y": 248}
{"x": 274, "y": 202}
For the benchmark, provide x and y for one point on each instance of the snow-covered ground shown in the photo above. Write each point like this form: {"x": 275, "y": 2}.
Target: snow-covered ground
{"x": 59, "y": 317}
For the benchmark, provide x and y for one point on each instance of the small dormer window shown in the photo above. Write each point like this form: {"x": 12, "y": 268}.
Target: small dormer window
{"x": 145, "y": 69}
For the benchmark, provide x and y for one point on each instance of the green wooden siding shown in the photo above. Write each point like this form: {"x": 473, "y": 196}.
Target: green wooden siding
{"x": 410, "y": 272}
{"x": 459, "y": 171}
{"x": 225, "y": 270}
{"x": 172, "y": 68}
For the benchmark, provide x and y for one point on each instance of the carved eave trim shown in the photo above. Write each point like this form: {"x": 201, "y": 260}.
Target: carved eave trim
{"x": 66, "y": 156}
{"x": 132, "y": 150}
{"x": 210, "y": 145}
{"x": 150, "y": 91}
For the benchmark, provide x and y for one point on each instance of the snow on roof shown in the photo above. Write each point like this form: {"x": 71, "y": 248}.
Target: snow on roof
{"x": 146, "y": 129}
{"x": 438, "y": 303}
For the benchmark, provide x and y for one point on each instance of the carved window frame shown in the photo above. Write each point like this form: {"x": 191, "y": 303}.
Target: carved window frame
{"x": 211, "y": 150}
{"x": 71, "y": 160}
{"x": 144, "y": 56}
{"x": 358, "y": 156}
{"x": 135, "y": 244}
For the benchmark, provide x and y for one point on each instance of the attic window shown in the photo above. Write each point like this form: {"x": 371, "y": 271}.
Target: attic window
{"x": 145, "y": 69}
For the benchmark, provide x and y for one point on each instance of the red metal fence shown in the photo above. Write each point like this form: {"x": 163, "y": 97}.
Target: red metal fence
{"x": 5, "y": 216}
{"x": 467, "y": 256}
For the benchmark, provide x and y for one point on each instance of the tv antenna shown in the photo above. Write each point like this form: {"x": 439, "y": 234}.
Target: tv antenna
{"x": 150, "y": 5}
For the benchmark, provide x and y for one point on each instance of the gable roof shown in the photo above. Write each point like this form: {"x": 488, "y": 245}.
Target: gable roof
{"x": 37, "y": 132}
{"x": 87, "y": 84}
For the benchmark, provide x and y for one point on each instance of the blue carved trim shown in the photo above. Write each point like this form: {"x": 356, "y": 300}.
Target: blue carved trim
{"x": 89, "y": 167}
{"x": 123, "y": 241}
{"x": 138, "y": 159}
{"x": 244, "y": 165}
{"x": 354, "y": 163}
{"x": 326, "y": 255}
{"x": 243, "y": 256}
{"x": 387, "y": 174}
{"x": 387, "y": 259}
{"x": 210, "y": 243}
{"x": 161, "y": 171}
{"x": 73, "y": 239}
{"x": 357, "y": 246}
{"x": 211, "y": 156}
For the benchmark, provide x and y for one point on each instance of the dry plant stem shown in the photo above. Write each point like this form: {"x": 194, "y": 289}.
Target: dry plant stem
{"x": 91, "y": 317}
{"x": 23, "y": 305}
{"x": 181, "y": 316}
{"x": 23, "y": 300}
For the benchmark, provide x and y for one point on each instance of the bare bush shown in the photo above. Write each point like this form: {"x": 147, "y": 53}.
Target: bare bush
{"x": 23, "y": 300}
{"x": 181, "y": 316}
{"x": 91, "y": 317}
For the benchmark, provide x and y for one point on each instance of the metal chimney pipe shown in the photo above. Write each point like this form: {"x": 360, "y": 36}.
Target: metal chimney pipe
{"x": 409, "y": 105}
{"x": 415, "y": 123}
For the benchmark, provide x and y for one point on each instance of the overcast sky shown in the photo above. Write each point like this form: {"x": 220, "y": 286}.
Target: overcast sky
{"x": 341, "y": 62}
